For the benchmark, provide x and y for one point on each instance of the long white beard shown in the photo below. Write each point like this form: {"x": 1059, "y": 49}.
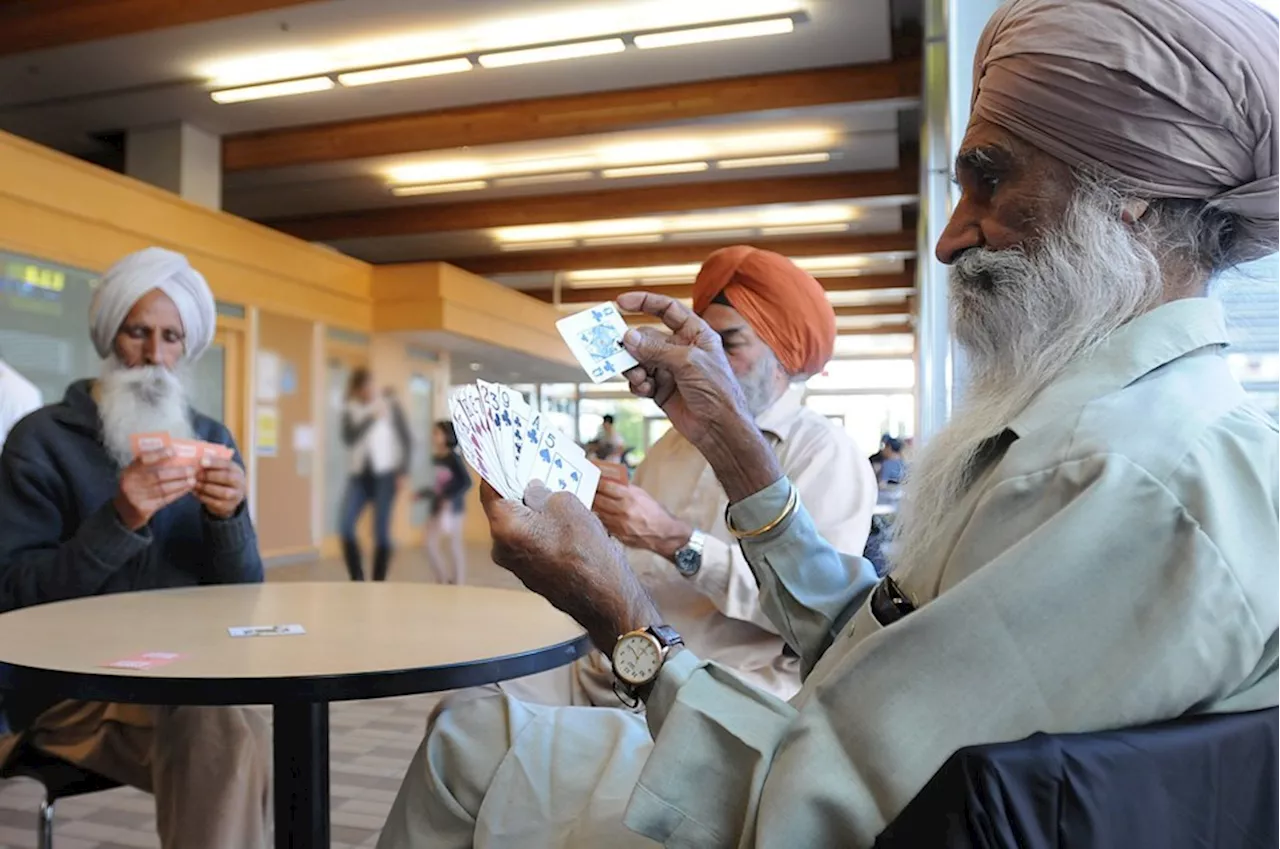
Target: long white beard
{"x": 1022, "y": 318}
{"x": 145, "y": 399}
{"x": 759, "y": 386}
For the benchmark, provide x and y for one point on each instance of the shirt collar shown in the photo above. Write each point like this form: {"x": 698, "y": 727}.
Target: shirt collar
{"x": 1156, "y": 338}
{"x": 779, "y": 415}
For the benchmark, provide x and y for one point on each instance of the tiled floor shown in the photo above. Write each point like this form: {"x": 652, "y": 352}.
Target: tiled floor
{"x": 370, "y": 744}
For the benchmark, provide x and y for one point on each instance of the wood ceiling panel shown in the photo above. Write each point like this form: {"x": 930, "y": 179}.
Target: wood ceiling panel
{"x": 568, "y": 115}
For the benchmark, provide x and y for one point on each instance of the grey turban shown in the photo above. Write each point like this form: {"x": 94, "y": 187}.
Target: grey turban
{"x": 1175, "y": 98}
{"x": 128, "y": 280}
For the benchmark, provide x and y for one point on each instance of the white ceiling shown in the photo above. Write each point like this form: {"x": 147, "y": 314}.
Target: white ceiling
{"x": 495, "y": 364}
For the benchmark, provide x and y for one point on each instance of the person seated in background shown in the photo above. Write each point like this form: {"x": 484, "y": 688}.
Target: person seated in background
{"x": 777, "y": 328}
{"x": 80, "y": 515}
{"x": 608, "y": 445}
{"x": 1090, "y": 543}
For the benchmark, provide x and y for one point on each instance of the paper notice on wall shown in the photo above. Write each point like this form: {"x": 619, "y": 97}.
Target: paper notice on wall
{"x": 267, "y": 434}
{"x": 268, "y": 376}
{"x": 304, "y": 438}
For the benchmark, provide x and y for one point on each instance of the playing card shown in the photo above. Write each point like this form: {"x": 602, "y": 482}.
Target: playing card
{"x": 595, "y": 337}
{"x": 266, "y": 630}
{"x": 563, "y": 467}
{"x": 497, "y": 413}
{"x": 187, "y": 452}
{"x": 147, "y": 442}
{"x": 473, "y": 440}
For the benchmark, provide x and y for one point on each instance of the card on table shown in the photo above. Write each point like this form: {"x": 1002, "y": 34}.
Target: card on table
{"x": 266, "y": 630}
{"x": 145, "y": 660}
{"x": 595, "y": 337}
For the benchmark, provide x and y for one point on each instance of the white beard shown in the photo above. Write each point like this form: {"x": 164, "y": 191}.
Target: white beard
{"x": 145, "y": 399}
{"x": 1022, "y": 318}
{"x": 759, "y": 387}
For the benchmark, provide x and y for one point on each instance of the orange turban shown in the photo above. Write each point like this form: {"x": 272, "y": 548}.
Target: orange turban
{"x": 784, "y": 305}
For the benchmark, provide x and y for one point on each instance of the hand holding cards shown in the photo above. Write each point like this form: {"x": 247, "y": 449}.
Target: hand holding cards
{"x": 510, "y": 444}
{"x": 186, "y": 452}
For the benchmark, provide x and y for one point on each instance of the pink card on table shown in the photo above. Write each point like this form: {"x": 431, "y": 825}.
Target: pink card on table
{"x": 145, "y": 660}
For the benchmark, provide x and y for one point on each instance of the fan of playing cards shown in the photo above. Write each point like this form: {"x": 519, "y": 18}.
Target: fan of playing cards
{"x": 510, "y": 444}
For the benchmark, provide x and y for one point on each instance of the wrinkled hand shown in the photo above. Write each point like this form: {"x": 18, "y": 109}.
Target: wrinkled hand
{"x": 559, "y": 549}
{"x": 147, "y": 485}
{"x": 687, "y": 375}
{"x": 638, "y": 521}
{"x": 684, "y": 372}
{"x": 220, "y": 486}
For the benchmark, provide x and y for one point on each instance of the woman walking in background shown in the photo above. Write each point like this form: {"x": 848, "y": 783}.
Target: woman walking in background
{"x": 448, "y": 500}
{"x": 374, "y": 430}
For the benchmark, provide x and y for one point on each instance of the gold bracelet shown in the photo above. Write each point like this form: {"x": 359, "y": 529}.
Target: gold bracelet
{"x": 793, "y": 501}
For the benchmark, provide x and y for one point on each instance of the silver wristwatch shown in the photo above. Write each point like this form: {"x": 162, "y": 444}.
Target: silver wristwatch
{"x": 688, "y": 558}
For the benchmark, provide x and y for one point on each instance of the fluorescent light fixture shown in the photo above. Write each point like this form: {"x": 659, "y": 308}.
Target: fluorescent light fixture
{"x": 791, "y": 215}
{"x": 724, "y": 32}
{"x": 544, "y": 166}
{"x": 447, "y": 171}
{"x": 766, "y": 161}
{"x": 803, "y": 229}
{"x": 553, "y": 53}
{"x": 638, "y": 239}
{"x": 261, "y": 92}
{"x": 438, "y": 188}
{"x": 538, "y": 246}
{"x": 405, "y": 72}
{"x": 541, "y": 179}
{"x": 654, "y": 170}
{"x": 703, "y": 235}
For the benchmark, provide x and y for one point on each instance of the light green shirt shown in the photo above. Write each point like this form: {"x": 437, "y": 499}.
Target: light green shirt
{"x": 1114, "y": 565}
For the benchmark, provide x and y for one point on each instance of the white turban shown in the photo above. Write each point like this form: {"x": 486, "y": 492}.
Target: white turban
{"x": 128, "y": 280}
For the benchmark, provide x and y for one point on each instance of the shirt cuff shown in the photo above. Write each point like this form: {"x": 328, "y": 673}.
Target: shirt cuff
{"x": 228, "y": 535}
{"x": 761, "y": 508}
{"x": 108, "y": 540}
{"x": 674, "y": 673}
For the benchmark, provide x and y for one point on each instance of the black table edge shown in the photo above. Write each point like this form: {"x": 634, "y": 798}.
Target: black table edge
{"x": 140, "y": 689}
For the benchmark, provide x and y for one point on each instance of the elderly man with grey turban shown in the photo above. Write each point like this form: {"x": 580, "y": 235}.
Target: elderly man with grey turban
{"x": 1090, "y": 544}
{"x": 81, "y": 515}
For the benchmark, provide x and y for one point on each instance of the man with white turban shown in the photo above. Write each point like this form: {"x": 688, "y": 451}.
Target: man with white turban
{"x": 80, "y": 515}
{"x": 1090, "y": 544}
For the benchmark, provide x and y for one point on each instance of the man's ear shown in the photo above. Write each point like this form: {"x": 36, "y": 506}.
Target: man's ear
{"x": 1132, "y": 210}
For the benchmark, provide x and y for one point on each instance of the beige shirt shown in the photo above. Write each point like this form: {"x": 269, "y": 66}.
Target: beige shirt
{"x": 717, "y": 611}
{"x": 1113, "y": 565}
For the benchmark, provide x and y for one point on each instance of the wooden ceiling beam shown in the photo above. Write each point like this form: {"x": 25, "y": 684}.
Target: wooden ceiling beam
{"x": 861, "y": 283}
{"x": 601, "y": 204}
{"x": 27, "y": 25}
{"x": 877, "y": 330}
{"x": 630, "y": 256}
{"x": 567, "y": 115}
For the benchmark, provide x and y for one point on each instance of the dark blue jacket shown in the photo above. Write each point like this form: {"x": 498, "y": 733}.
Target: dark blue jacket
{"x": 60, "y": 536}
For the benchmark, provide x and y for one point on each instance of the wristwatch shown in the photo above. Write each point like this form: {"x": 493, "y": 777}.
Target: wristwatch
{"x": 688, "y": 558}
{"x": 638, "y": 657}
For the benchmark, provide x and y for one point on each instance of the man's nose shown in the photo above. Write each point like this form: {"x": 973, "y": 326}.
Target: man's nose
{"x": 962, "y": 232}
{"x": 151, "y": 349}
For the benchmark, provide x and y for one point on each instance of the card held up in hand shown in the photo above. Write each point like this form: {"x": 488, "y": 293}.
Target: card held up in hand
{"x": 595, "y": 337}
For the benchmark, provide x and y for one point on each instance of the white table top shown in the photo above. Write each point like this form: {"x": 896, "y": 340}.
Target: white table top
{"x": 367, "y": 631}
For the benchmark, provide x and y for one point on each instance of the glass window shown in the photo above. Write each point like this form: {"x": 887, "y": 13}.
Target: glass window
{"x": 632, "y": 420}
{"x": 560, "y": 405}
{"x": 43, "y": 331}
{"x": 1250, "y": 297}
{"x": 865, "y": 374}
{"x": 867, "y": 417}
{"x": 886, "y": 343}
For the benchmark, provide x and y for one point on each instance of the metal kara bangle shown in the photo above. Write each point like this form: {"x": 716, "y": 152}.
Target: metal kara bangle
{"x": 793, "y": 501}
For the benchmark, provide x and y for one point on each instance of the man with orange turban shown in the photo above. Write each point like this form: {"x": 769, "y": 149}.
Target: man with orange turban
{"x": 778, "y": 328}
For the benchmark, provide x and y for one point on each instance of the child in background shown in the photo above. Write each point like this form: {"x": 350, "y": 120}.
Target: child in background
{"x": 447, "y": 499}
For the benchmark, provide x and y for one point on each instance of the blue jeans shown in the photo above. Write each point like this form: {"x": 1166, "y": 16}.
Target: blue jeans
{"x": 361, "y": 490}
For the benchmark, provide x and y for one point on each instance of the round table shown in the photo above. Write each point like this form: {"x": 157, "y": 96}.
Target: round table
{"x": 362, "y": 641}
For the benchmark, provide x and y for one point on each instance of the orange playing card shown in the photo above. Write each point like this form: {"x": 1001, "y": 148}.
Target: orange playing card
{"x": 187, "y": 452}
{"x": 147, "y": 442}
{"x": 613, "y": 471}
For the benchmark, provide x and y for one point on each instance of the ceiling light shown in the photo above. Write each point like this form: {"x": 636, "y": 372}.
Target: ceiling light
{"x": 438, "y": 188}
{"x": 439, "y": 172}
{"x": 638, "y": 239}
{"x": 415, "y": 71}
{"x": 538, "y": 246}
{"x": 600, "y": 275}
{"x": 704, "y": 235}
{"x": 657, "y": 150}
{"x": 766, "y": 161}
{"x": 553, "y": 53}
{"x": 542, "y": 166}
{"x": 540, "y": 179}
{"x": 655, "y": 170}
{"x": 803, "y": 229}
{"x": 476, "y": 366}
{"x": 825, "y": 214}
{"x": 261, "y": 92}
{"x": 724, "y": 32}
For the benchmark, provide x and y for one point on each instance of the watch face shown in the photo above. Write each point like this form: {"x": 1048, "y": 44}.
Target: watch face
{"x": 688, "y": 560}
{"x": 637, "y": 659}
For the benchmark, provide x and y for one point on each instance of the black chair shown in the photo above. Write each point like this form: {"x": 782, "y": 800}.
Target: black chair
{"x": 61, "y": 780}
{"x": 1194, "y": 783}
